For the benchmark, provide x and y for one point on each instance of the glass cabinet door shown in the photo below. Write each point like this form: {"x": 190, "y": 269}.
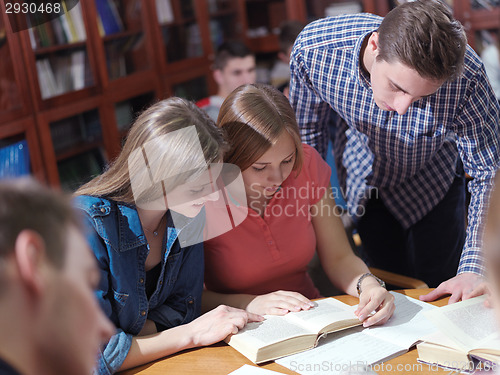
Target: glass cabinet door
{"x": 79, "y": 149}
{"x": 60, "y": 48}
{"x": 10, "y": 92}
{"x": 224, "y": 23}
{"x": 120, "y": 25}
{"x": 180, "y": 31}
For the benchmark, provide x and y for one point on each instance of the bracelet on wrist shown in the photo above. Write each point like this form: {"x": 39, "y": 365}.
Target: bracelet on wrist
{"x": 363, "y": 276}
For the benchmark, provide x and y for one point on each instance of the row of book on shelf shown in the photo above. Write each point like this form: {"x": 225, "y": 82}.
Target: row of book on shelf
{"x": 461, "y": 336}
{"x": 66, "y": 28}
{"x": 63, "y": 73}
{"x": 110, "y": 20}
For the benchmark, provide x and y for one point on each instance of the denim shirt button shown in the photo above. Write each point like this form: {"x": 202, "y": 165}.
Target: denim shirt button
{"x": 143, "y": 313}
{"x": 103, "y": 210}
{"x": 141, "y": 280}
{"x": 161, "y": 282}
{"x": 190, "y": 301}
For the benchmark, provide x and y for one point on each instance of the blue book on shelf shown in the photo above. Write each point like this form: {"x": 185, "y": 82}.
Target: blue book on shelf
{"x": 109, "y": 16}
{"x": 14, "y": 160}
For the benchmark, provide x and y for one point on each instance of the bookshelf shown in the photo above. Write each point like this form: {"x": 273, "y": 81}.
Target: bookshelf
{"x": 71, "y": 85}
{"x": 19, "y": 147}
{"x": 477, "y": 16}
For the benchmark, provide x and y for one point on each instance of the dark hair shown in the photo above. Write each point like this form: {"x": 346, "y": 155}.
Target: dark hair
{"x": 230, "y": 50}
{"x": 288, "y": 33}
{"x": 424, "y": 36}
{"x": 26, "y": 204}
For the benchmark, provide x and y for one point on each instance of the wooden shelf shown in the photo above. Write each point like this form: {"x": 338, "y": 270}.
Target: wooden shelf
{"x": 264, "y": 44}
{"x": 79, "y": 148}
{"x": 485, "y": 18}
{"x": 223, "y": 13}
{"x": 121, "y": 34}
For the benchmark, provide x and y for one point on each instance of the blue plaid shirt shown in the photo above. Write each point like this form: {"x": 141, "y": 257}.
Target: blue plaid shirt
{"x": 412, "y": 158}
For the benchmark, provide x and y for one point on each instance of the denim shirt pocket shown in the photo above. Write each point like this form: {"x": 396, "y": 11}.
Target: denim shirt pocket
{"x": 120, "y": 300}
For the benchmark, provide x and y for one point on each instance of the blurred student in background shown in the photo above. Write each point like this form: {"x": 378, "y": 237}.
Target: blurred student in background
{"x": 234, "y": 65}
{"x": 280, "y": 74}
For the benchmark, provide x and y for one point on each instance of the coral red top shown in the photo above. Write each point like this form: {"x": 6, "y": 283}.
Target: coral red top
{"x": 270, "y": 253}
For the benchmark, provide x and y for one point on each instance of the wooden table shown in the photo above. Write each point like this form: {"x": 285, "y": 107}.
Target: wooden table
{"x": 221, "y": 359}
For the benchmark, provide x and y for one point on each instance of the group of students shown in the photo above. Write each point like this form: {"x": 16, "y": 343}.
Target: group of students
{"x": 188, "y": 253}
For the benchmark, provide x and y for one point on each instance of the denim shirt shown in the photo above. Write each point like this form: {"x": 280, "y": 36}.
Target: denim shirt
{"x": 117, "y": 239}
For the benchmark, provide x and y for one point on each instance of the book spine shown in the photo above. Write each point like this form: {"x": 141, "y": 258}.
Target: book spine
{"x": 109, "y": 17}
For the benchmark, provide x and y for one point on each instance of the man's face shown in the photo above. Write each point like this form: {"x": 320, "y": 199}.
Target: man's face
{"x": 396, "y": 86}
{"x": 78, "y": 326}
{"x": 238, "y": 71}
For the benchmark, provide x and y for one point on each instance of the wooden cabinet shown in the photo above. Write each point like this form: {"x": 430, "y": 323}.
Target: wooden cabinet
{"x": 484, "y": 17}
{"x": 19, "y": 146}
{"x": 71, "y": 84}
{"x": 262, "y": 18}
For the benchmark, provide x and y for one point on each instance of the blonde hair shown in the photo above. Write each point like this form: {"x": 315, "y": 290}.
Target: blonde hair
{"x": 179, "y": 154}
{"x": 253, "y": 117}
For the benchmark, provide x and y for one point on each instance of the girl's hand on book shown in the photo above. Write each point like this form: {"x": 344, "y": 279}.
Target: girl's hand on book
{"x": 219, "y": 323}
{"x": 279, "y": 303}
{"x": 378, "y": 299}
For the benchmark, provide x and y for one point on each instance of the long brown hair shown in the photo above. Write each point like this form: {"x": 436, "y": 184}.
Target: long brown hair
{"x": 253, "y": 117}
{"x": 179, "y": 156}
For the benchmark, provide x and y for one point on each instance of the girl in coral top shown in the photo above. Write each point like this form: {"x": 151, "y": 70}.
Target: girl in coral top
{"x": 261, "y": 264}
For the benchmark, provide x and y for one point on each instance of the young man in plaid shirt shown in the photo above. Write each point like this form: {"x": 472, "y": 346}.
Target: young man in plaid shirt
{"x": 408, "y": 106}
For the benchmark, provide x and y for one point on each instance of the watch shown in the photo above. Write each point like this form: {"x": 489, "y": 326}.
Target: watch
{"x": 358, "y": 286}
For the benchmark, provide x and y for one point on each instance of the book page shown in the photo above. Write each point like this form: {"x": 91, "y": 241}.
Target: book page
{"x": 439, "y": 338}
{"x": 326, "y": 311}
{"x": 273, "y": 329}
{"x": 467, "y": 322}
{"x": 340, "y": 352}
{"x": 367, "y": 346}
{"x": 408, "y": 323}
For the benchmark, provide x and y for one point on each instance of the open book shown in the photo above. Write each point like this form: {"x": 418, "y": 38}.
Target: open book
{"x": 363, "y": 348}
{"x": 294, "y": 332}
{"x": 467, "y": 331}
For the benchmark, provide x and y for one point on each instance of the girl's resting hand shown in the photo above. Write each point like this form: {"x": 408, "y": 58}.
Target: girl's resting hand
{"x": 375, "y": 298}
{"x": 218, "y": 323}
{"x": 279, "y": 303}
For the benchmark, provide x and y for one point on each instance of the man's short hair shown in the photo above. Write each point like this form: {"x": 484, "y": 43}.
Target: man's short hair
{"x": 26, "y": 204}
{"x": 288, "y": 33}
{"x": 424, "y": 36}
{"x": 230, "y": 50}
